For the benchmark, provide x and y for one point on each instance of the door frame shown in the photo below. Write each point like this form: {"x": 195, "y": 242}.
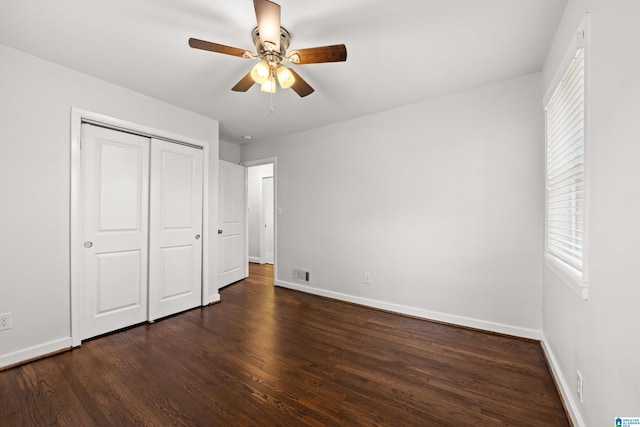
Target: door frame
{"x": 78, "y": 117}
{"x": 274, "y": 162}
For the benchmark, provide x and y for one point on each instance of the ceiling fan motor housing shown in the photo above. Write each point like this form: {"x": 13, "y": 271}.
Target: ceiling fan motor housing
{"x": 263, "y": 50}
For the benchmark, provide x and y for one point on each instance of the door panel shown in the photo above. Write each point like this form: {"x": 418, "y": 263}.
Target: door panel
{"x": 115, "y": 229}
{"x": 119, "y": 284}
{"x": 231, "y": 246}
{"x": 175, "y": 244}
{"x": 232, "y": 223}
{"x": 177, "y": 273}
{"x": 177, "y": 191}
{"x": 120, "y": 195}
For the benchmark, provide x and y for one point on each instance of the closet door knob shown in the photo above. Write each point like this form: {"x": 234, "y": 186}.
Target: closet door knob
{"x": 197, "y": 236}
{"x": 88, "y": 244}
{"x": 219, "y": 231}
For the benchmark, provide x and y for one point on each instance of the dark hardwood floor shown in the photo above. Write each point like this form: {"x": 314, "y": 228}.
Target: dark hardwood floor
{"x": 269, "y": 356}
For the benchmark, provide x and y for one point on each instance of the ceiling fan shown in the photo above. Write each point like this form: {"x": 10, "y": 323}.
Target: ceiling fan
{"x": 272, "y": 42}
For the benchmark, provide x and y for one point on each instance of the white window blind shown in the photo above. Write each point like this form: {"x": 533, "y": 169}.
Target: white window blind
{"x": 565, "y": 166}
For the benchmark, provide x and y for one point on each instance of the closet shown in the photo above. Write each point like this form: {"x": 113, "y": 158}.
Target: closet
{"x": 141, "y": 214}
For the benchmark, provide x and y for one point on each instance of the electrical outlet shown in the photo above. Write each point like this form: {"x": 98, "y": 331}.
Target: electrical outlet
{"x": 367, "y": 278}
{"x": 5, "y": 321}
{"x": 579, "y": 386}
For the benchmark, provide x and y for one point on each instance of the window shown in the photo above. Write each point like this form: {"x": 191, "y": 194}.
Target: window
{"x": 565, "y": 166}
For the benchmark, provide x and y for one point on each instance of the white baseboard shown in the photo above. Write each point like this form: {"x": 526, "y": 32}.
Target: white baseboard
{"x": 212, "y": 299}
{"x": 565, "y": 390}
{"x": 254, "y": 259}
{"x": 418, "y": 312}
{"x": 35, "y": 351}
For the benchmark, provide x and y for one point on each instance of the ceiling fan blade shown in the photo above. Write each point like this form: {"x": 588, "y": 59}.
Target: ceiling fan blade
{"x": 215, "y": 47}
{"x": 268, "y": 18}
{"x": 244, "y": 84}
{"x": 301, "y": 87}
{"x": 316, "y": 55}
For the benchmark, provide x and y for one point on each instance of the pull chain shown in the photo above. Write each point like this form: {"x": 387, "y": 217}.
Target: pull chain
{"x": 271, "y": 109}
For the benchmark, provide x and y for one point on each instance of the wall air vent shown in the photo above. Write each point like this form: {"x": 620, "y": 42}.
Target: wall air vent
{"x": 300, "y": 275}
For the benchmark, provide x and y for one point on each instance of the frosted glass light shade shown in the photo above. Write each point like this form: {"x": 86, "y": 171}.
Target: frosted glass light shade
{"x": 269, "y": 85}
{"x": 285, "y": 77}
{"x": 260, "y": 72}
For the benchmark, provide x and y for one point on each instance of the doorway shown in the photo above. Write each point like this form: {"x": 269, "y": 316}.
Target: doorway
{"x": 261, "y": 210}
{"x": 266, "y": 216}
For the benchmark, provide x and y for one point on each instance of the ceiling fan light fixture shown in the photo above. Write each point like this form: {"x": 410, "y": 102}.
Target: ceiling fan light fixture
{"x": 261, "y": 72}
{"x": 269, "y": 85}
{"x": 271, "y": 41}
{"x": 285, "y": 77}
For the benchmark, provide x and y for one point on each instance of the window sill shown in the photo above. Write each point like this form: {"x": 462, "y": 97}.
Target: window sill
{"x": 572, "y": 277}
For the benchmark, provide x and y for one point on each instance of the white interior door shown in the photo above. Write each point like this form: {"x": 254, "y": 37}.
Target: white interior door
{"x": 115, "y": 174}
{"x": 266, "y": 251}
{"x": 175, "y": 243}
{"x": 232, "y": 228}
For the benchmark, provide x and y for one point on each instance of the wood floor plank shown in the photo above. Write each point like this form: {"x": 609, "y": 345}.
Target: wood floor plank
{"x": 268, "y": 356}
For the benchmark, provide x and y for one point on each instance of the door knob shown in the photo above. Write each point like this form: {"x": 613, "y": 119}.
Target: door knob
{"x": 219, "y": 231}
{"x": 197, "y": 236}
{"x": 88, "y": 244}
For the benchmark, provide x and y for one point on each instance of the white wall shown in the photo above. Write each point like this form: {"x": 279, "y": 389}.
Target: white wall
{"x": 442, "y": 202}
{"x": 255, "y": 175}
{"x": 229, "y": 152}
{"x": 35, "y": 112}
{"x": 601, "y": 336}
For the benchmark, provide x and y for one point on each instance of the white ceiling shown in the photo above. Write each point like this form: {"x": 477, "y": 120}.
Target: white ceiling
{"x": 399, "y": 52}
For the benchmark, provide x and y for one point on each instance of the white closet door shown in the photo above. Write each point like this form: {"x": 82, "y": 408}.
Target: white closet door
{"x": 175, "y": 244}
{"x": 232, "y": 226}
{"x": 115, "y": 177}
